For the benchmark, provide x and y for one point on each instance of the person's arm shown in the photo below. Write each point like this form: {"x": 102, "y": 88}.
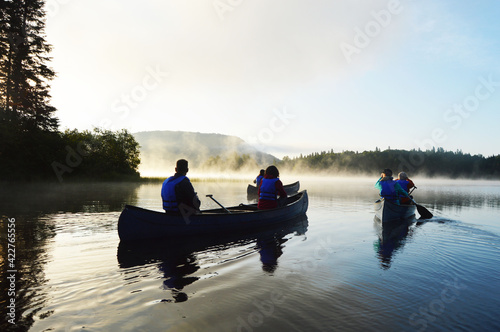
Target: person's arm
{"x": 187, "y": 195}
{"x": 410, "y": 184}
{"x": 378, "y": 185}
{"x": 400, "y": 191}
{"x": 279, "y": 188}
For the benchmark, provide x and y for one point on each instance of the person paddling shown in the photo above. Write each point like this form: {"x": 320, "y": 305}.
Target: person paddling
{"x": 178, "y": 193}
{"x": 259, "y": 178}
{"x": 406, "y": 184}
{"x": 389, "y": 189}
{"x": 269, "y": 189}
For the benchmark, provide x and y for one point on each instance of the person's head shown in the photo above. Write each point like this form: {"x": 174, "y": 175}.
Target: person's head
{"x": 272, "y": 172}
{"x": 182, "y": 166}
{"x": 402, "y": 176}
{"x": 387, "y": 172}
{"x": 262, "y": 172}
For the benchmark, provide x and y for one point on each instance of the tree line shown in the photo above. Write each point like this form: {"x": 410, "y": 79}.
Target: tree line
{"x": 429, "y": 163}
{"x": 32, "y": 146}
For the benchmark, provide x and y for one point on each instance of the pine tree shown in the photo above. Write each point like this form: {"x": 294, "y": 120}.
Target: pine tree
{"x": 24, "y": 74}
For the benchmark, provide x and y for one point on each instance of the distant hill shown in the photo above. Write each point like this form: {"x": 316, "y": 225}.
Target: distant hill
{"x": 205, "y": 152}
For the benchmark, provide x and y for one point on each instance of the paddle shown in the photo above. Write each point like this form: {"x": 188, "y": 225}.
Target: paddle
{"x": 424, "y": 213}
{"x": 211, "y": 196}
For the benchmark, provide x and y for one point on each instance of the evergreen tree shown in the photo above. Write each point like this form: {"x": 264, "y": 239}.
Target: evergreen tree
{"x": 24, "y": 74}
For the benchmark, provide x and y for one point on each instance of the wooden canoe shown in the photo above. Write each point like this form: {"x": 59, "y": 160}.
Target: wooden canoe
{"x": 387, "y": 211}
{"x": 290, "y": 189}
{"x": 136, "y": 223}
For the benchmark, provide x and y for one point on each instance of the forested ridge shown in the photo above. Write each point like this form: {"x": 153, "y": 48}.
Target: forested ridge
{"x": 430, "y": 163}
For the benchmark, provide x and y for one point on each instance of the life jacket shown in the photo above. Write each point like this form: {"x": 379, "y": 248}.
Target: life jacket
{"x": 258, "y": 180}
{"x": 268, "y": 189}
{"x": 403, "y": 184}
{"x": 168, "y": 193}
{"x": 388, "y": 191}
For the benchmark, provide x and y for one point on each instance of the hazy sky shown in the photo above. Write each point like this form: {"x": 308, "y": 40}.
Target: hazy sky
{"x": 287, "y": 76}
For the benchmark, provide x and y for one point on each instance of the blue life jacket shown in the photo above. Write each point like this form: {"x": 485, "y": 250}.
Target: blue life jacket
{"x": 388, "y": 191}
{"x": 258, "y": 180}
{"x": 268, "y": 189}
{"x": 403, "y": 184}
{"x": 168, "y": 193}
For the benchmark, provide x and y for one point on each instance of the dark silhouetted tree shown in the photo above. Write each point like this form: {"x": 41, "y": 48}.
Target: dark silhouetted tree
{"x": 24, "y": 73}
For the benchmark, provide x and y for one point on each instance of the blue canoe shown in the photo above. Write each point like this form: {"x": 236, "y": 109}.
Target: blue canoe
{"x": 136, "y": 223}
{"x": 386, "y": 211}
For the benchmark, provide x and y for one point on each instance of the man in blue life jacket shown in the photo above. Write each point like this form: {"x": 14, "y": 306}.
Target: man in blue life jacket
{"x": 177, "y": 192}
{"x": 389, "y": 189}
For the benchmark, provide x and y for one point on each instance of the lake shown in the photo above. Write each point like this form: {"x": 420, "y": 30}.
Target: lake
{"x": 336, "y": 270}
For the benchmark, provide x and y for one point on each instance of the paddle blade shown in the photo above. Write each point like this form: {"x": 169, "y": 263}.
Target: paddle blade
{"x": 424, "y": 213}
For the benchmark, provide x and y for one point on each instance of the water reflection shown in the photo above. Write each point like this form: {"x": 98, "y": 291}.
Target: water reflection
{"x": 37, "y": 211}
{"x": 478, "y": 195}
{"x": 40, "y": 198}
{"x": 392, "y": 236}
{"x": 179, "y": 258}
{"x": 22, "y": 273}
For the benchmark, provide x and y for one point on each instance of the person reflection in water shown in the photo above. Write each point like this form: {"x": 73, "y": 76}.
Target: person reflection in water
{"x": 270, "y": 249}
{"x": 176, "y": 271}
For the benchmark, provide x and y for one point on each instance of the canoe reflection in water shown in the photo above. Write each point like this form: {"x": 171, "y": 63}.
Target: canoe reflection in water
{"x": 179, "y": 258}
{"x": 391, "y": 237}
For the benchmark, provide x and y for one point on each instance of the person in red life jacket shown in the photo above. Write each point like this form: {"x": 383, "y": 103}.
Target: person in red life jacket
{"x": 259, "y": 178}
{"x": 389, "y": 189}
{"x": 269, "y": 189}
{"x": 177, "y": 192}
{"x": 406, "y": 184}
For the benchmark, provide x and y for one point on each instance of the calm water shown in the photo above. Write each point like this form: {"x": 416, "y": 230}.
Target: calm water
{"x": 336, "y": 270}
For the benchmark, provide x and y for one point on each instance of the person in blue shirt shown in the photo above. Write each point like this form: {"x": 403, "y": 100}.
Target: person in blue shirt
{"x": 388, "y": 188}
{"x": 177, "y": 192}
{"x": 259, "y": 178}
